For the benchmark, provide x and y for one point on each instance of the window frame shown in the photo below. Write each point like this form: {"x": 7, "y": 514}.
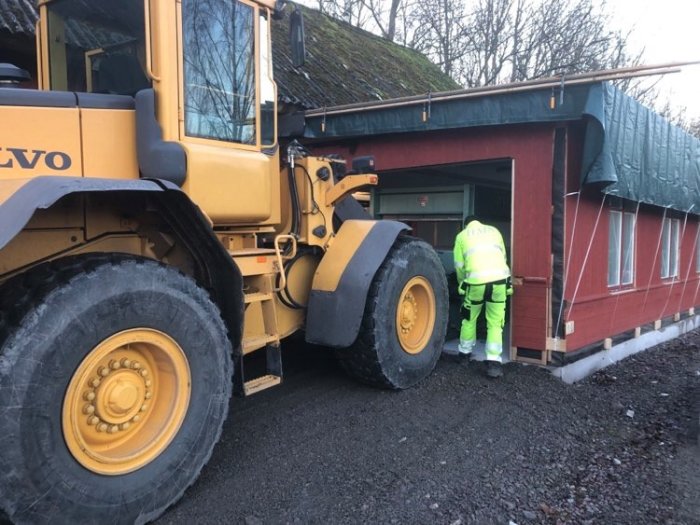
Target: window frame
{"x": 667, "y": 245}
{"x": 621, "y": 252}
{"x": 266, "y": 76}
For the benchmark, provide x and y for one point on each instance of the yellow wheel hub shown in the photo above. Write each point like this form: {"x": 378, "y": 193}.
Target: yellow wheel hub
{"x": 415, "y": 315}
{"x": 126, "y": 401}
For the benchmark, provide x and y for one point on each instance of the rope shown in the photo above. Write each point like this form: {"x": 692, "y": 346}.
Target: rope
{"x": 678, "y": 263}
{"x": 568, "y": 262}
{"x": 653, "y": 264}
{"x": 690, "y": 265}
{"x": 697, "y": 286}
{"x": 588, "y": 252}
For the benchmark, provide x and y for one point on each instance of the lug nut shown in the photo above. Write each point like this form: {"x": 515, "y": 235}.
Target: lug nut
{"x": 103, "y": 371}
{"x": 144, "y": 407}
{"x": 136, "y": 418}
{"x": 89, "y": 396}
{"x": 136, "y": 365}
{"x": 88, "y": 409}
{"x": 93, "y": 420}
{"x": 95, "y": 383}
{"x": 125, "y": 426}
{"x": 148, "y": 383}
{"x": 143, "y": 372}
{"x": 102, "y": 427}
{"x": 113, "y": 429}
{"x": 148, "y": 395}
{"x": 115, "y": 365}
{"x": 126, "y": 363}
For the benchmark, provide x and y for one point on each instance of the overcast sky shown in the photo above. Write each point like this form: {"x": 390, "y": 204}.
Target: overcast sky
{"x": 668, "y": 31}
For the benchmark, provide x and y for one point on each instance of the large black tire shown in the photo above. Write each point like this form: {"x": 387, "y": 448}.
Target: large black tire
{"x": 377, "y": 356}
{"x": 50, "y": 319}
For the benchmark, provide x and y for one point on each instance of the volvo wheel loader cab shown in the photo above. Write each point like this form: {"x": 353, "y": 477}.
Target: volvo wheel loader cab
{"x": 153, "y": 236}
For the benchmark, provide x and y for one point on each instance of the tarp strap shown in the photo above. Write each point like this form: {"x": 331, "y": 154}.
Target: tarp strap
{"x": 568, "y": 259}
{"x": 690, "y": 264}
{"x": 656, "y": 254}
{"x": 624, "y": 263}
{"x": 588, "y": 252}
{"x": 676, "y": 277}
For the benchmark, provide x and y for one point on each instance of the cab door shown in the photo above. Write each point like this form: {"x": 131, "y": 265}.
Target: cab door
{"x": 226, "y": 77}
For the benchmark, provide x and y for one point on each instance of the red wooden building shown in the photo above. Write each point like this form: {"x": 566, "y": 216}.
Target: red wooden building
{"x": 602, "y": 201}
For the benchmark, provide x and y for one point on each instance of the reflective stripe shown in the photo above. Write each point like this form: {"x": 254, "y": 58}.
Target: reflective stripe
{"x": 487, "y": 275}
{"x": 459, "y": 264}
{"x": 482, "y": 248}
{"x": 494, "y": 351}
{"x": 466, "y": 347}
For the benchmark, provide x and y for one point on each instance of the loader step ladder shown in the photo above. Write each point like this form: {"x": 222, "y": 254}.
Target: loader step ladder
{"x": 261, "y": 333}
{"x": 261, "y": 269}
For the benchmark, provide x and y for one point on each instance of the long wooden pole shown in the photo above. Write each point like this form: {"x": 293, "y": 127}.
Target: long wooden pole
{"x": 528, "y": 85}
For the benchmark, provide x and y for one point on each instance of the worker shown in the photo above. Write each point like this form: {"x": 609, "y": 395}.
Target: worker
{"x": 483, "y": 276}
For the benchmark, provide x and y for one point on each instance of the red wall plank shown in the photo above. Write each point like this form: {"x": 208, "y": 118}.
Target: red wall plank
{"x": 598, "y": 311}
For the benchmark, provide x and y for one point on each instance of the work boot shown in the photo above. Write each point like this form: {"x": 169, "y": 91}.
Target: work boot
{"x": 494, "y": 369}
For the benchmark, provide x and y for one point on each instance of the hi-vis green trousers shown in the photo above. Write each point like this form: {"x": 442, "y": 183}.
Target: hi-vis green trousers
{"x": 494, "y": 296}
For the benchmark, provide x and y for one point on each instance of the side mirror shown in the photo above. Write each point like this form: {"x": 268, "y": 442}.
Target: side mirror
{"x": 11, "y": 75}
{"x": 297, "y": 38}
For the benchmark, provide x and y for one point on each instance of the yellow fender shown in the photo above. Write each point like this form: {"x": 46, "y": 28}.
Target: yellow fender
{"x": 343, "y": 278}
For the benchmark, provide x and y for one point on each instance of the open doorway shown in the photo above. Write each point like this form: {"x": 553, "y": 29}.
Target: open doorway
{"x": 434, "y": 200}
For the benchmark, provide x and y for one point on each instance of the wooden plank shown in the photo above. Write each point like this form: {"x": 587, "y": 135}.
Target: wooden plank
{"x": 530, "y": 310}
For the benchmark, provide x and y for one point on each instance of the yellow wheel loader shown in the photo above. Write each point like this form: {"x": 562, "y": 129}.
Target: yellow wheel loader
{"x": 154, "y": 235}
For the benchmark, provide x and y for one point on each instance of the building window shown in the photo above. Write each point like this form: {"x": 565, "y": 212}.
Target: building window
{"x": 621, "y": 248}
{"x": 219, "y": 60}
{"x": 670, "y": 248}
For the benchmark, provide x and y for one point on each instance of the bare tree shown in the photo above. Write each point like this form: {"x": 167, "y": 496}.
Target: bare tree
{"x": 491, "y": 41}
{"x": 353, "y": 12}
{"x": 438, "y": 30}
{"x": 571, "y": 36}
{"x": 494, "y": 33}
{"x": 694, "y": 127}
{"x": 385, "y": 15}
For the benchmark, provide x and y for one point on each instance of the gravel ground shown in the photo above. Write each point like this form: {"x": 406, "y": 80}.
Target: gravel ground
{"x": 620, "y": 447}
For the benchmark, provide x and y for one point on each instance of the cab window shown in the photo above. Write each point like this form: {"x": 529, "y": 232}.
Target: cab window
{"x": 219, "y": 70}
{"x": 96, "y": 46}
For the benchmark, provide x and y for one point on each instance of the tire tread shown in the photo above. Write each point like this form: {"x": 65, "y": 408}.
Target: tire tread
{"x": 22, "y": 293}
{"x": 361, "y": 360}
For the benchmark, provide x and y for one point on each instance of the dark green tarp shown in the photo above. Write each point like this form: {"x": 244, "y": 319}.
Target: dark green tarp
{"x": 641, "y": 156}
{"x": 629, "y": 150}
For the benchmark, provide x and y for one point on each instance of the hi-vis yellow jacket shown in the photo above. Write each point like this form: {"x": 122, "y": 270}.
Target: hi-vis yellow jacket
{"x": 480, "y": 255}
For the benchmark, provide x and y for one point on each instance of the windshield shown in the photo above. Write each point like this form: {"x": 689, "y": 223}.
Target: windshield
{"x": 96, "y": 46}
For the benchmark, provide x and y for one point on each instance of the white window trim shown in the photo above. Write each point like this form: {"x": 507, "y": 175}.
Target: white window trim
{"x": 673, "y": 269}
{"x": 619, "y": 282}
{"x": 676, "y": 225}
{"x": 632, "y": 249}
{"x": 615, "y": 284}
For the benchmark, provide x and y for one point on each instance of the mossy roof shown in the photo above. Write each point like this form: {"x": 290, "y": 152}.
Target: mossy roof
{"x": 18, "y": 17}
{"x": 345, "y": 65}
